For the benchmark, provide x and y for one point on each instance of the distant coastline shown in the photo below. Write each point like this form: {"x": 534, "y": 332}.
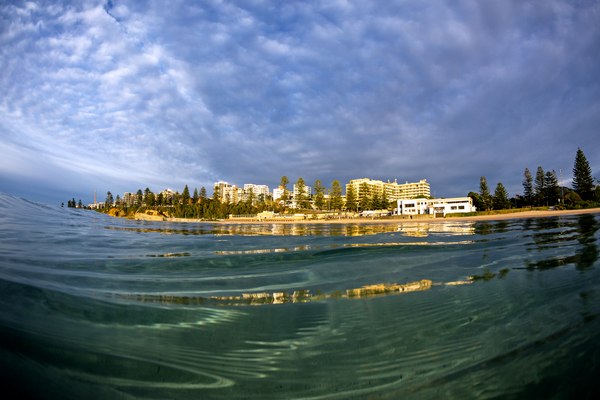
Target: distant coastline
{"x": 515, "y": 215}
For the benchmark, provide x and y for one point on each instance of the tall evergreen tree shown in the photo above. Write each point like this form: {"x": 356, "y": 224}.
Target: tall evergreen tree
{"x": 484, "y": 193}
{"x": 109, "y": 200}
{"x": 250, "y": 198}
{"x": 148, "y": 197}
{"x": 375, "y": 200}
{"x": 185, "y": 196}
{"x": 283, "y": 185}
{"x": 300, "y": 193}
{"x": 552, "y": 189}
{"x": 202, "y": 193}
{"x": 195, "y": 198}
{"x": 319, "y": 195}
{"x": 500, "y": 200}
{"x": 385, "y": 203}
{"x": 351, "y": 199}
{"x": 117, "y": 201}
{"x": 540, "y": 186}
{"x": 216, "y": 195}
{"x": 336, "y": 195}
{"x": 583, "y": 182}
{"x": 365, "y": 196}
{"x": 139, "y": 197}
{"x": 528, "y": 186}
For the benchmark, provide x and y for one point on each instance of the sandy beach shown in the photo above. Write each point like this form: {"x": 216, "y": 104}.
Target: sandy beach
{"x": 524, "y": 214}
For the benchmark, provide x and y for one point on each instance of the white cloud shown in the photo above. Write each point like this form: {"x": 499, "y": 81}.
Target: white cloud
{"x": 234, "y": 90}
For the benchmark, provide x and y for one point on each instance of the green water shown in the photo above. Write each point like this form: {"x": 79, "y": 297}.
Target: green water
{"x": 97, "y": 307}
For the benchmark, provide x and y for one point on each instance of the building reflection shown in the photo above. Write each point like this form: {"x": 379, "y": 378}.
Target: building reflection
{"x": 415, "y": 229}
{"x": 299, "y": 296}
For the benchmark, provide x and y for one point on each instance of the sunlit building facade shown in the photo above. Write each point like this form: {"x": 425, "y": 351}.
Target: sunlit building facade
{"x": 393, "y": 190}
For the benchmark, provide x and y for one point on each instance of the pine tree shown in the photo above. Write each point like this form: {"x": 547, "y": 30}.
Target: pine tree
{"x": 185, "y": 197}
{"x": 540, "y": 186}
{"x": 375, "y": 200}
{"x": 351, "y": 198}
{"x": 484, "y": 193}
{"x": 528, "y": 186}
{"x": 148, "y": 198}
{"x": 109, "y": 200}
{"x": 250, "y": 198}
{"x": 583, "y": 182}
{"x": 216, "y": 196}
{"x": 300, "y": 193}
{"x": 139, "y": 197}
{"x": 385, "y": 203}
{"x": 202, "y": 193}
{"x": 365, "y": 196}
{"x": 283, "y": 185}
{"x": 552, "y": 190}
{"x": 500, "y": 198}
{"x": 319, "y": 197}
{"x": 195, "y": 198}
{"x": 336, "y": 195}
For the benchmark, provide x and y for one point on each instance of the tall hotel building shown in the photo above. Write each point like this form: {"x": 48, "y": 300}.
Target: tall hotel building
{"x": 393, "y": 190}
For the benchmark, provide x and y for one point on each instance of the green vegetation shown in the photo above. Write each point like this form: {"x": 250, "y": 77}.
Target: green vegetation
{"x": 539, "y": 192}
{"x": 528, "y": 186}
{"x": 484, "y": 194}
{"x": 500, "y": 199}
{"x": 319, "y": 195}
{"x": 542, "y": 192}
{"x": 336, "y": 196}
{"x": 582, "y": 177}
{"x": 283, "y": 185}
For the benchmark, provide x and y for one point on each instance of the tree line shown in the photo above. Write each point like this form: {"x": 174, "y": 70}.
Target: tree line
{"x": 544, "y": 190}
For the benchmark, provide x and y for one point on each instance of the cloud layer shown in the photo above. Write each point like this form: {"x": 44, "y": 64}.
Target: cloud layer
{"x": 121, "y": 95}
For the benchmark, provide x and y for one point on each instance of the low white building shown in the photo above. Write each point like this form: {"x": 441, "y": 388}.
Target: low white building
{"x": 439, "y": 207}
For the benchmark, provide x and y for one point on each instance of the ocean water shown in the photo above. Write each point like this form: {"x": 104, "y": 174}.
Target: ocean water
{"x": 97, "y": 307}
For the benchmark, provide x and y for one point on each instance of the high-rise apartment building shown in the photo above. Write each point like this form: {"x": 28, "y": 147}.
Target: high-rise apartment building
{"x": 307, "y": 191}
{"x": 129, "y": 199}
{"x": 257, "y": 190}
{"x": 393, "y": 190}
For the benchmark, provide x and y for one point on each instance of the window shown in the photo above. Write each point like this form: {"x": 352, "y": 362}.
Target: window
{"x": 453, "y": 207}
{"x": 461, "y": 207}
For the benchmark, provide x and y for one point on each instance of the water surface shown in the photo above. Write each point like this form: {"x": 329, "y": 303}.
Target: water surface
{"x": 98, "y": 307}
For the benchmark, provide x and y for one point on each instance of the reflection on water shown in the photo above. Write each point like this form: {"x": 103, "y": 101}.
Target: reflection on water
{"x": 415, "y": 229}
{"x": 97, "y": 307}
{"x": 552, "y": 233}
{"x": 298, "y": 296}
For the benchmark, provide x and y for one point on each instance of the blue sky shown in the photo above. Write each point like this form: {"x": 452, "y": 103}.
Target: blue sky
{"x": 124, "y": 95}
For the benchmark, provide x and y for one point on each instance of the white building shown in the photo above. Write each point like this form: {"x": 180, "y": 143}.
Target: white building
{"x": 439, "y": 207}
{"x": 307, "y": 191}
{"x": 277, "y": 193}
{"x": 257, "y": 190}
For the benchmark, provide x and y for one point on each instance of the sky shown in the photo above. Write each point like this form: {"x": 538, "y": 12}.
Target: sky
{"x": 122, "y": 95}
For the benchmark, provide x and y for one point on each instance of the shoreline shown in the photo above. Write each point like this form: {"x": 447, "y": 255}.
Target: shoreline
{"x": 516, "y": 215}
